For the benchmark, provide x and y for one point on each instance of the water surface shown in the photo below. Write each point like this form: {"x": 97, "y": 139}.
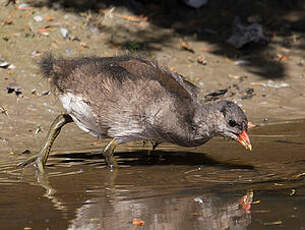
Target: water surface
{"x": 171, "y": 188}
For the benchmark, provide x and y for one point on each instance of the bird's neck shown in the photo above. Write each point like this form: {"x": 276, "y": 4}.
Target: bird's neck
{"x": 204, "y": 122}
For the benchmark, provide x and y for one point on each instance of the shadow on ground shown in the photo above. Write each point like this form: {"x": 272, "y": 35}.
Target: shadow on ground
{"x": 154, "y": 158}
{"x": 212, "y": 23}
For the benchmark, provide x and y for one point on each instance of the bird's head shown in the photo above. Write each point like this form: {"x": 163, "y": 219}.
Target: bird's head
{"x": 232, "y": 123}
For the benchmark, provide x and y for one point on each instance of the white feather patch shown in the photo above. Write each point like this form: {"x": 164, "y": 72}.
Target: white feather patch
{"x": 81, "y": 113}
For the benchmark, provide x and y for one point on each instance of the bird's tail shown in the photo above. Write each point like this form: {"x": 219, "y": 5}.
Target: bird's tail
{"x": 47, "y": 66}
{"x": 55, "y": 70}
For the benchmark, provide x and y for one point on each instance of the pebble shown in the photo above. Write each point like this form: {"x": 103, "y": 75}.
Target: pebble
{"x": 23, "y": 5}
{"x": 6, "y": 65}
{"x": 276, "y": 85}
{"x": 68, "y": 51}
{"x": 64, "y": 32}
{"x": 199, "y": 200}
{"x": 38, "y": 18}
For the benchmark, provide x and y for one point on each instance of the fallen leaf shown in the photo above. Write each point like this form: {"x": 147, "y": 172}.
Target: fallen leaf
{"x": 186, "y": 46}
{"x": 282, "y": 58}
{"x": 4, "y": 111}
{"x": 138, "y": 222}
{"x": 74, "y": 38}
{"x": 49, "y": 18}
{"x": 228, "y": 60}
{"x": 232, "y": 76}
{"x": 43, "y": 30}
{"x": 259, "y": 83}
{"x": 298, "y": 175}
{"x": 201, "y": 60}
{"x": 237, "y": 62}
{"x": 114, "y": 46}
{"x": 207, "y": 49}
{"x": 241, "y": 62}
{"x": 84, "y": 45}
{"x": 274, "y": 223}
{"x": 172, "y": 69}
{"x": 132, "y": 18}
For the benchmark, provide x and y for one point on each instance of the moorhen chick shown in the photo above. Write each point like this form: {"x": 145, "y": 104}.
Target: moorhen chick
{"x": 127, "y": 98}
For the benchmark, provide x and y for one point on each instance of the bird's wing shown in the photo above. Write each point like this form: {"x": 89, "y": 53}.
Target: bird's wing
{"x": 173, "y": 82}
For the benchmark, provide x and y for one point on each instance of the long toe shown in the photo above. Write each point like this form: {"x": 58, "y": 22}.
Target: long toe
{"x": 28, "y": 161}
{"x": 36, "y": 159}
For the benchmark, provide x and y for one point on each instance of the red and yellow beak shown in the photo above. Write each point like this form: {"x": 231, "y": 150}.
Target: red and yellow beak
{"x": 244, "y": 140}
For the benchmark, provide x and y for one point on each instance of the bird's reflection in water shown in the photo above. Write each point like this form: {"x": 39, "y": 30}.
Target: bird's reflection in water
{"x": 169, "y": 212}
{"x": 114, "y": 206}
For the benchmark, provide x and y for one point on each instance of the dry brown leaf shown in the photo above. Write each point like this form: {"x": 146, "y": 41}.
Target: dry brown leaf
{"x": 257, "y": 83}
{"x": 49, "y": 18}
{"x": 207, "y": 49}
{"x": 282, "y": 58}
{"x": 84, "y": 45}
{"x": 43, "y": 30}
{"x": 201, "y": 60}
{"x": 228, "y": 60}
{"x": 172, "y": 69}
{"x": 232, "y": 76}
{"x": 141, "y": 18}
{"x": 138, "y": 222}
{"x": 3, "y": 110}
{"x": 186, "y": 46}
{"x": 114, "y": 46}
{"x": 298, "y": 175}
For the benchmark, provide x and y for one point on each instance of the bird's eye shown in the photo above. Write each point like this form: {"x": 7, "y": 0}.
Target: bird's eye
{"x": 232, "y": 123}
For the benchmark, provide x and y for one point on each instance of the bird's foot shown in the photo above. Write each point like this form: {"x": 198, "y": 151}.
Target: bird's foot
{"x": 36, "y": 159}
{"x": 108, "y": 154}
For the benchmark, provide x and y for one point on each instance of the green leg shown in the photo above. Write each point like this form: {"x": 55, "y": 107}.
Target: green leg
{"x": 108, "y": 153}
{"x": 42, "y": 156}
{"x": 154, "y": 145}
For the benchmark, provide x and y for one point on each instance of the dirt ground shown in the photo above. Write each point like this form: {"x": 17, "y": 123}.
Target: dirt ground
{"x": 266, "y": 77}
